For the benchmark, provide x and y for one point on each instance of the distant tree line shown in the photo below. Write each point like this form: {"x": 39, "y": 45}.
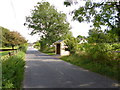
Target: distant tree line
{"x": 10, "y": 38}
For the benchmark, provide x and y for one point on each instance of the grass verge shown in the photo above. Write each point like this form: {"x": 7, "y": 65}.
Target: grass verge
{"x": 101, "y": 68}
{"x": 8, "y": 47}
{"x": 49, "y": 53}
{"x": 13, "y": 70}
{"x": 5, "y": 53}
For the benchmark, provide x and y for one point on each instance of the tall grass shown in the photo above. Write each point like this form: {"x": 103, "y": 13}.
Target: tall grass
{"x": 13, "y": 69}
{"x": 83, "y": 61}
{"x": 5, "y": 53}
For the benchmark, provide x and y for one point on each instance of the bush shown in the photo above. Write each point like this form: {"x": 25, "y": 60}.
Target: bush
{"x": 48, "y": 50}
{"x": 101, "y": 68}
{"x": 116, "y": 46}
{"x": 72, "y": 44}
{"x": 23, "y": 47}
{"x": 97, "y": 57}
{"x": 37, "y": 45}
{"x": 12, "y": 71}
{"x": 101, "y": 53}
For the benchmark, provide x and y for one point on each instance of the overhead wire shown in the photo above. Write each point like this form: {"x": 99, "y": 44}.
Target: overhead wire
{"x": 14, "y": 11}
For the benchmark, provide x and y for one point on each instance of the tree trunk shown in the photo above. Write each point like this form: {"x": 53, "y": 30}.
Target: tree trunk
{"x": 12, "y": 46}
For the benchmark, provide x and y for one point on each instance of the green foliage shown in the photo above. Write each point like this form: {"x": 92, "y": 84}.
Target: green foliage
{"x": 116, "y": 46}
{"x": 50, "y": 53}
{"x": 102, "y": 58}
{"x": 14, "y": 38}
{"x": 4, "y": 53}
{"x": 67, "y": 4}
{"x": 98, "y": 36}
{"x": 48, "y": 22}
{"x": 12, "y": 71}
{"x": 81, "y": 38}
{"x": 43, "y": 44}
{"x": 48, "y": 50}
{"x": 100, "y": 14}
{"x": 84, "y": 61}
{"x": 70, "y": 2}
{"x": 23, "y": 47}
{"x": 3, "y": 33}
{"x": 37, "y": 45}
{"x": 101, "y": 53}
{"x": 10, "y": 38}
{"x": 72, "y": 44}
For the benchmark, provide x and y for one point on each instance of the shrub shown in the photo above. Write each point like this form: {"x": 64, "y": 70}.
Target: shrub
{"x": 12, "y": 71}
{"x": 116, "y": 46}
{"x": 101, "y": 53}
{"x": 48, "y": 50}
{"x": 37, "y": 45}
{"x": 72, "y": 44}
{"x": 102, "y": 68}
{"x": 23, "y": 47}
{"x": 97, "y": 57}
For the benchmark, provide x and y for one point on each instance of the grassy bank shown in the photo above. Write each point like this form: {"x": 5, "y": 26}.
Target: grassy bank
{"x": 83, "y": 61}
{"x": 49, "y": 50}
{"x": 49, "y": 53}
{"x": 5, "y": 53}
{"x": 8, "y": 47}
{"x": 13, "y": 70}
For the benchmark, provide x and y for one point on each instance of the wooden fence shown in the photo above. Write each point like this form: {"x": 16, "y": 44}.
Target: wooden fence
{"x": 9, "y": 51}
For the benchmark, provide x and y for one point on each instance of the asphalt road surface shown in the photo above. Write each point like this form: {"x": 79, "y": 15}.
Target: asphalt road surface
{"x": 44, "y": 71}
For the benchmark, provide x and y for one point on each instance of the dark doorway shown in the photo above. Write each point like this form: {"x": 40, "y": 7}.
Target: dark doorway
{"x": 58, "y": 48}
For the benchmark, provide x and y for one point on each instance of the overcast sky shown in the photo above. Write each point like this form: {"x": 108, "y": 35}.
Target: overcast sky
{"x": 13, "y": 12}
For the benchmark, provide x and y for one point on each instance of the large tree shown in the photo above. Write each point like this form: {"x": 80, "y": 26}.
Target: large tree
{"x": 100, "y": 14}
{"x": 46, "y": 21}
{"x": 10, "y": 38}
{"x": 14, "y": 38}
{"x": 3, "y": 34}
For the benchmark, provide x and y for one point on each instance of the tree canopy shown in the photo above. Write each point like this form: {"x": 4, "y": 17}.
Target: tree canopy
{"x": 98, "y": 36}
{"x": 11, "y": 38}
{"x": 100, "y": 14}
{"x": 46, "y": 21}
{"x": 3, "y": 35}
{"x": 14, "y": 38}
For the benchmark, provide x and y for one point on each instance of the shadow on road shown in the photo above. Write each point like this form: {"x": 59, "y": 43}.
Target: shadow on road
{"x": 45, "y": 71}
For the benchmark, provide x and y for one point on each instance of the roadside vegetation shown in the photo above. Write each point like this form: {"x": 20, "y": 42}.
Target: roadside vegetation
{"x": 4, "y": 53}
{"x": 99, "y": 51}
{"x": 11, "y": 38}
{"x": 48, "y": 50}
{"x": 100, "y": 58}
{"x": 12, "y": 54}
{"x": 13, "y": 69}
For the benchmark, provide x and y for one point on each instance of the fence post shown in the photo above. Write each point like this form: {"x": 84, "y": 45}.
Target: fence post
{"x": 9, "y": 53}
